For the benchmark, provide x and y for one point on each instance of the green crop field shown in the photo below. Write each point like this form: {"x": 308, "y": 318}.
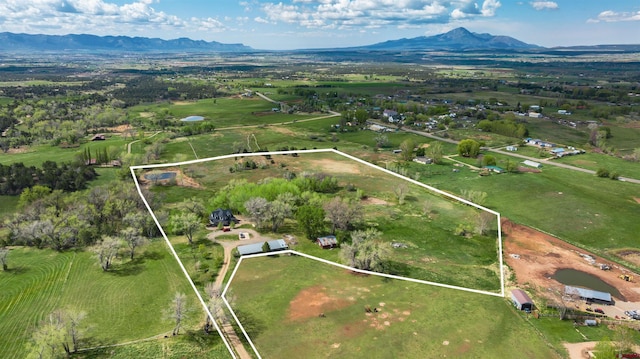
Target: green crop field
{"x": 413, "y": 320}
{"x": 125, "y": 304}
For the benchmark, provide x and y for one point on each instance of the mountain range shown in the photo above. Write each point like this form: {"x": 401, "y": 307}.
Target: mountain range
{"x": 459, "y": 39}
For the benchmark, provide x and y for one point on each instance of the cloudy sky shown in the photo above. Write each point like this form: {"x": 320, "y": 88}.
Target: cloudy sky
{"x": 295, "y": 24}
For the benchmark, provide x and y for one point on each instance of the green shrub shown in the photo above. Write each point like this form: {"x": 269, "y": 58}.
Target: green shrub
{"x": 602, "y": 172}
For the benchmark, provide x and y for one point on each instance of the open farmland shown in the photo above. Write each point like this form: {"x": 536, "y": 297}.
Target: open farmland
{"x": 412, "y": 320}
{"x": 423, "y": 227}
{"x": 123, "y": 305}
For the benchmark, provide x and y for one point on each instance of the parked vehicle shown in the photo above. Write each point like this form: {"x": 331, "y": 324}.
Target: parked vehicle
{"x": 599, "y": 310}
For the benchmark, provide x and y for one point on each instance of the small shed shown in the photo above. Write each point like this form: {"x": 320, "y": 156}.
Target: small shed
{"x": 424, "y": 160}
{"x": 512, "y": 148}
{"x": 532, "y": 164}
{"x": 495, "y": 169}
{"x": 521, "y": 300}
{"x": 327, "y": 242}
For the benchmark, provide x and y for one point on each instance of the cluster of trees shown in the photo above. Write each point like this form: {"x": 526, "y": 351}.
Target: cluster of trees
{"x": 58, "y": 120}
{"x": 505, "y": 127}
{"x": 148, "y": 89}
{"x": 58, "y": 335}
{"x": 61, "y": 221}
{"x": 469, "y": 148}
{"x": 68, "y": 177}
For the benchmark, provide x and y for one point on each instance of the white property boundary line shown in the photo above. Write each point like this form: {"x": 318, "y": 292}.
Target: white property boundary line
{"x": 326, "y": 150}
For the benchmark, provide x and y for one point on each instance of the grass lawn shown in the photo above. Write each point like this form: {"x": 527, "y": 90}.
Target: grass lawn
{"x": 414, "y": 321}
{"x": 127, "y": 303}
{"x": 595, "y": 161}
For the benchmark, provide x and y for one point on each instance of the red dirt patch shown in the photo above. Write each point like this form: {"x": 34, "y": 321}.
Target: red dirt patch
{"x": 313, "y": 301}
{"x": 534, "y": 256}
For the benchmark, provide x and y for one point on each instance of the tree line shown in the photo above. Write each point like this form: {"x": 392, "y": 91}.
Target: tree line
{"x": 67, "y": 177}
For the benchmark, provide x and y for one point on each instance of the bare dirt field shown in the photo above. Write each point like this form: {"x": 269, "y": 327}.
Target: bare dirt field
{"x": 535, "y": 256}
{"x": 312, "y": 302}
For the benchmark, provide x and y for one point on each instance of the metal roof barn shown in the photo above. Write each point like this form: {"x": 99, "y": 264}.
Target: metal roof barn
{"x": 588, "y": 294}
{"x": 521, "y": 300}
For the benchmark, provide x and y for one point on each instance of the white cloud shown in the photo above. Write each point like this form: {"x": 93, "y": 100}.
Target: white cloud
{"x": 613, "y": 16}
{"x": 347, "y": 14}
{"x": 95, "y": 16}
{"x": 544, "y": 5}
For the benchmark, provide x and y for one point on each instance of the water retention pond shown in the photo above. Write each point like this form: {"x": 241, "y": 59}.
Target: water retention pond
{"x": 579, "y": 278}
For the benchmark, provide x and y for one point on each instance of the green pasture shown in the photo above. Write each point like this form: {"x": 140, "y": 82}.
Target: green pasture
{"x": 563, "y": 135}
{"x": 124, "y": 304}
{"x": 433, "y": 251}
{"x": 413, "y": 321}
{"x": 594, "y": 213}
{"x": 226, "y": 112}
{"x": 595, "y": 161}
{"x": 193, "y": 344}
{"x": 36, "y": 155}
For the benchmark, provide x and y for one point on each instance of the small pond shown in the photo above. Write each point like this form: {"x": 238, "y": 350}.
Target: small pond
{"x": 192, "y": 119}
{"x": 160, "y": 176}
{"x": 579, "y": 278}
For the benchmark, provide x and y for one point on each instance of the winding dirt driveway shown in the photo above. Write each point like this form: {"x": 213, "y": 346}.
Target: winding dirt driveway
{"x": 229, "y": 245}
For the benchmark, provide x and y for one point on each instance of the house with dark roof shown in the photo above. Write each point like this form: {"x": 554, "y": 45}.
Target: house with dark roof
{"x": 223, "y": 216}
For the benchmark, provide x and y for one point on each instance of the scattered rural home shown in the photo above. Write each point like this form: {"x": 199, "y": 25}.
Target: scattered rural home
{"x": 557, "y": 151}
{"x": 589, "y": 295}
{"x": 99, "y": 137}
{"x": 564, "y": 112}
{"x": 389, "y": 113}
{"x": 494, "y": 169}
{"x": 532, "y": 164}
{"x": 274, "y": 245}
{"x": 423, "y": 160}
{"x": 521, "y": 300}
{"x": 223, "y": 216}
{"x": 591, "y": 322}
{"x": 327, "y": 242}
{"x": 512, "y": 148}
{"x": 535, "y": 114}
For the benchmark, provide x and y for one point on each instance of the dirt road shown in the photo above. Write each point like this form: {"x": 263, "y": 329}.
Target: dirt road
{"x": 229, "y": 245}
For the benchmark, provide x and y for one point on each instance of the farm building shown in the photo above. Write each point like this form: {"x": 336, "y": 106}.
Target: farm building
{"x": 589, "y": 295}
{"x": 223, "y": 216}
{"x": 512, "y": 148}
{"x": 521, "y": 300}
{"x": 495, "y": 169}
{"x": 274, "y": 245}
{"x": 327, "y": 242}
{"x": 423, "y": 160}
{"x": 532, "y": 164}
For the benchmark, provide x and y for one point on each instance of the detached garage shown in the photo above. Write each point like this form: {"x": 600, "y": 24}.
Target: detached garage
{"x": 521, "y": 300}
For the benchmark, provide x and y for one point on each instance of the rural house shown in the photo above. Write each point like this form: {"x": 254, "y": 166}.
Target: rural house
{"x": 223, "y": 216}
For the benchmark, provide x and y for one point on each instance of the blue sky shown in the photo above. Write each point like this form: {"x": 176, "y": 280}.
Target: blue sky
{"x": 296, "y": 24}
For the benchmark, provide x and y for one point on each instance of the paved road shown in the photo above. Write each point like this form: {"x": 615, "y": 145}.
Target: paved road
{"x": 228, "y": 246}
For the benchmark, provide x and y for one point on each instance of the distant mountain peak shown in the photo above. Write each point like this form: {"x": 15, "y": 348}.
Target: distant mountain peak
{"x": 456, "y": 39}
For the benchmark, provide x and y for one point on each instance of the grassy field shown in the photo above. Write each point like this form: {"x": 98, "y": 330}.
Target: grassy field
{"x": 430, "y": 250}
{"x": 125, "y": 304}
{"x": 414, "y": 321}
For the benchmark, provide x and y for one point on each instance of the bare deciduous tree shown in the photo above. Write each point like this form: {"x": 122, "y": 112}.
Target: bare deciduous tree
{"x": 133, "y": 239}
{"x": 106, "y": 251}
{"x": 484, "y": 221}
{"x": 342, "y": 213}
{"x": 178, "y": 311}
{"x": 365, "y": 250}
{"x": 4, "y": 252}
{"x": 401, "y": 191}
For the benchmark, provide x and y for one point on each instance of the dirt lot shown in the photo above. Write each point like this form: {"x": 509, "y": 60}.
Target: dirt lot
{"x": 535, "y": 256}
